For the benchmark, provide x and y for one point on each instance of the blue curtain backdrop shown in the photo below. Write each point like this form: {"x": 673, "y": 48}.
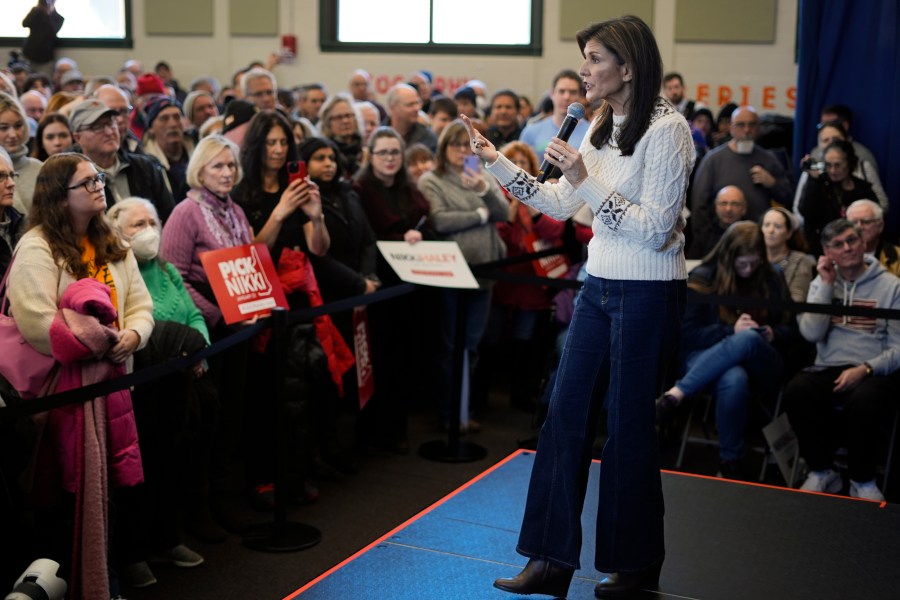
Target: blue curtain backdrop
{"x": 849, "y": 53}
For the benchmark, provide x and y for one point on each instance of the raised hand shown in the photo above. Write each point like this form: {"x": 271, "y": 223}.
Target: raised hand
{"x": 481, "y": 146}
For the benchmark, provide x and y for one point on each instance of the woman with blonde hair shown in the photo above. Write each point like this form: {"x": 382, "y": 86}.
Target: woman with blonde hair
{"x": 14, "y": 136}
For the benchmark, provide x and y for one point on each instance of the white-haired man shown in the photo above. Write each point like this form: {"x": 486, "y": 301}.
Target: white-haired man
{"x": 259, "y": 87}
{"x": 869, "y": 217}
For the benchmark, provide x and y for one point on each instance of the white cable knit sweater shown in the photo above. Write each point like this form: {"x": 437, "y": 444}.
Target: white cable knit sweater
{"x": 636, "y": 200}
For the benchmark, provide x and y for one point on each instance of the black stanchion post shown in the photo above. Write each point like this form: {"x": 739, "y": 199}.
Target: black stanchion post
{"x": 280, "y": 535}
{"x": 455, "y": 450}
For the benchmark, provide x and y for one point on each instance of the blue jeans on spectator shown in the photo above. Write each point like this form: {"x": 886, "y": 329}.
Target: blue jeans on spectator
{"x": 733, "y": 366}
{"x": 620, "y": 341}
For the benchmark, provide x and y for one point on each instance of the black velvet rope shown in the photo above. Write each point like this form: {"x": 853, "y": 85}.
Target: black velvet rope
{"x": 492, "y": 270}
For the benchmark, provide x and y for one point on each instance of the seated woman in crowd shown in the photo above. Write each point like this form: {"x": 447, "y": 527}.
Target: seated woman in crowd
{"x": 826, "y": 197}
{"x": 734, "y": 350}
{"x": 786, "y": 250}
{"x": 53, "y": 136}
{"x": 14, "y": 137}
{"x": 397, "y": 211}
{"x": 337, "y": 122}
{"x": 70, "y": 255}
{"x": 831, "y": 131}
{"x": 465, "y": 205}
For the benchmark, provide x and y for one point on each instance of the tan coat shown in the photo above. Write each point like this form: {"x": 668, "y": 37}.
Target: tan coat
{"x": 37, "y": 282}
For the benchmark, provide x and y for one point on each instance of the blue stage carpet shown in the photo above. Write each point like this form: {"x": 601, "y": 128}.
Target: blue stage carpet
{"x": 725, "y": 540}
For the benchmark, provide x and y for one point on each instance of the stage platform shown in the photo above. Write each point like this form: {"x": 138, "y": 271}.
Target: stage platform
{"x": 724, "y": 540}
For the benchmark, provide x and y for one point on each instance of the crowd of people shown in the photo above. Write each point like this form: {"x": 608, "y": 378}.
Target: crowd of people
{"x": 125, "y": 178}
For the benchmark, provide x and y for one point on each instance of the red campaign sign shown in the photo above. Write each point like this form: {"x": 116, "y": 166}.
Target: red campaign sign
{"x": 244, "y": 280}
{"x": 365, "y": 378}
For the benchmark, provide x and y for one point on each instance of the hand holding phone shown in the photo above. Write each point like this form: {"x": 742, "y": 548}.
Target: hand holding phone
{"x": 472, "y": 163}
{"x": 296, "y": 170}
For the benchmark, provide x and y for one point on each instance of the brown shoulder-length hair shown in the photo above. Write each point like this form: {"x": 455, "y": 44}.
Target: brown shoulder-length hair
{"x": 740, "y": 239}
{"x": 454, "y": 131}
{"x": 39, "y": 152}
{"x": 631, "y": 42}
{"x": 50, "y": 211}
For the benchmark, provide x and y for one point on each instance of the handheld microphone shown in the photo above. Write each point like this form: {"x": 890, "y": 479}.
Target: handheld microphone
{"x": 574, "y": 114}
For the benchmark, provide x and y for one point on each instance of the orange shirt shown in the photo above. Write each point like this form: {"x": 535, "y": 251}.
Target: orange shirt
{"x": 100, "y": 273}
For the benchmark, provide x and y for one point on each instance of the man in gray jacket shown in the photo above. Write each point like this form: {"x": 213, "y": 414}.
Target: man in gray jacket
{"x": 856, "y": 366}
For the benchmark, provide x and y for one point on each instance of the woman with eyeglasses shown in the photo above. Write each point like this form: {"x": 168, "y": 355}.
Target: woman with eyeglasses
{"x": 338, "y": 122}
{"x": 70, "y": 243}
{"x": 397, "y": 212}
{"x": 14, "y": 136}
{"x": 465, "y": 207}
{"x": 826, "y": 197}
{"x": 12, "y": 222}
{"x": 53, "y": 136}
{"x": 733, "y": 351}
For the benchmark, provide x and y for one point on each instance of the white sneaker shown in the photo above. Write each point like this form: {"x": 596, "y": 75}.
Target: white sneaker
{"x": 827, "y": 481}
{"x": 866, "y": 491}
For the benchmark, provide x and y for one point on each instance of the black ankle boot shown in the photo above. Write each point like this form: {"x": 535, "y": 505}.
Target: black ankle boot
{"x": 539, "y": 577}
{"x": 627, "y": 585}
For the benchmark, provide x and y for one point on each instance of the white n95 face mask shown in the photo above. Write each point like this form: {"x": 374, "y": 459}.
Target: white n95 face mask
{"x": 145, "y": 244}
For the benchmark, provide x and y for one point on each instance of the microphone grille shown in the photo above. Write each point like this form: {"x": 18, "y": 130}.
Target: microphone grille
{"x": 576, "y": 110}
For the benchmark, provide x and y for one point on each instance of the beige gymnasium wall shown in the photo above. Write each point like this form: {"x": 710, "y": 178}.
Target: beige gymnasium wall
{"x": 762, "y": 74}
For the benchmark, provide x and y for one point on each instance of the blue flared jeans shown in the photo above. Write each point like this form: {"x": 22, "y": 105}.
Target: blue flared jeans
{"x": 731, "y": 368}
{"x": 621, "y": 340}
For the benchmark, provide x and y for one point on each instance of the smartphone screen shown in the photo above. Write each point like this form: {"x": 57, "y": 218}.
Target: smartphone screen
{"x": 296, "y": 170}
{"x": 472, "y": 163}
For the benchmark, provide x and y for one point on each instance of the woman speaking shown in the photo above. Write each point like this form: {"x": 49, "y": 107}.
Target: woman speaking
{"x": 633, "y": 172}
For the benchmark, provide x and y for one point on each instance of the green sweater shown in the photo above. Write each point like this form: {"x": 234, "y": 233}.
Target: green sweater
{"x": 171, "y": 301}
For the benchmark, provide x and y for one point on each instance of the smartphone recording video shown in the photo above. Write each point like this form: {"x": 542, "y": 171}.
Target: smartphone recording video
{"x": 296, "y": 170}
